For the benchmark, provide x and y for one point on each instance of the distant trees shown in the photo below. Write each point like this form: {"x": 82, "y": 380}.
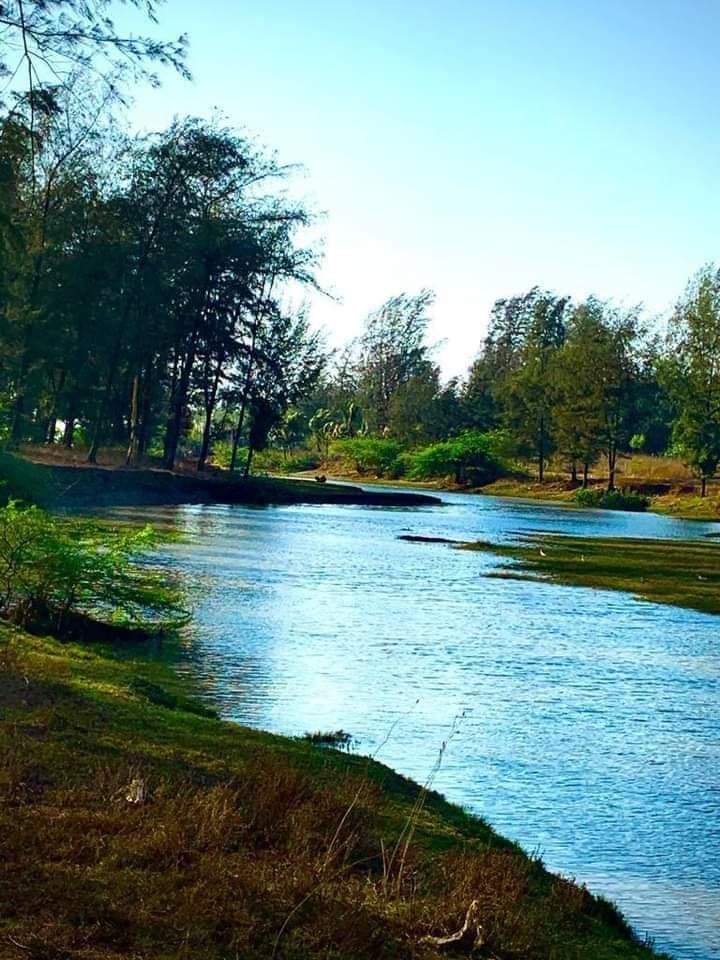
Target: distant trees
{"x": 524, "y": 389}
{"x": 577, "y": 389}
{"x": 393, "y": 356}
{"x": 691, "y": 372}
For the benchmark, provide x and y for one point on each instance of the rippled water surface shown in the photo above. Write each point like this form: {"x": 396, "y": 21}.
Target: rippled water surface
{"x": 592, "y": 727}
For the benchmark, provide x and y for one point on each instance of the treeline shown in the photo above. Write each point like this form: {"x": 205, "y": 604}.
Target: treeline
{"x": 143, "y": 282}
{"x": 574, "y": 381}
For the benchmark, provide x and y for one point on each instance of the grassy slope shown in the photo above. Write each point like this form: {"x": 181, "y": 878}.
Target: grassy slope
{"x": 245, "y": 837}
{"x": 682, "y": 573}
{"x": 72, "y": 486}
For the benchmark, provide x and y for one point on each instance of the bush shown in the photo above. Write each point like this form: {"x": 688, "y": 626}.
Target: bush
{"x": 53, "y": 570}
{"x": 372, "y": 455}
{"x": 274, "y": 460}
{"x": 470, "y": 457}
{"x": 612, "y": 500}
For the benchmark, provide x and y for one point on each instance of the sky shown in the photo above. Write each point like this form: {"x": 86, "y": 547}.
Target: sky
{"x": 475, "y": 147}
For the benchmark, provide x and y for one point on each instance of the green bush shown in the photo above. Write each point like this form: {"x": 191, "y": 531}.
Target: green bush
{"x": 274, "y": 460}
{"x": 55, "y": 569}
{"x": 372, "y": 455}
{"x": 470, "y": 458}
{"x": 612, "y": 500}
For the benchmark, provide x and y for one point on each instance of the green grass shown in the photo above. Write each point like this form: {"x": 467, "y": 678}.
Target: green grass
{"x": 247, "y": 845}
{"x": 681, "y": 573}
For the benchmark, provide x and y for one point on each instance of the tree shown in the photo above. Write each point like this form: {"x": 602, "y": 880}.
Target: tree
{"x": 578, "y": 388}
{"x": 618, "y": 369}
{"x": 392, "y": 351}
{"x": 44, "y": 39}
{"x": 691, "y": 372}
{"x": 525, "y": 388}
{"x": 289, "y": 360}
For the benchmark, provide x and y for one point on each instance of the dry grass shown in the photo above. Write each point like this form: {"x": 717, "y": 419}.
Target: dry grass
{"x": 643, "y": 467}
{"x": 247, "y": 845}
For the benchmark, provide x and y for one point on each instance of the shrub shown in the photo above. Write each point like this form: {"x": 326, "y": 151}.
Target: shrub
{"x": 54, "y": 569}
{"x": 274, "y": 460}
{"x": 469, "y": 458}
{"x": 612, "y": 500}
{"x": 372, "y": 455}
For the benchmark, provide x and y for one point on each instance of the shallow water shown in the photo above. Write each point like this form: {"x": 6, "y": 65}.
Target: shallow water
{"x": 590, "y": 725}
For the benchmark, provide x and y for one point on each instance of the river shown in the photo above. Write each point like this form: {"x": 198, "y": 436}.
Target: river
{"x": 588, "y": 723}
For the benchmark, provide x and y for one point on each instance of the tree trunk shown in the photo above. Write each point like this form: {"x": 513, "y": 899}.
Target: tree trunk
{"x": 573, "y": 471}
{"x": 248, "y": 463}
{"x": 586, "y": 467}
{"x": 703, "y": 485}
{"x": 104, "y": 400}
{"x": 18, "y": 414}
{"x": 209, "y": 410}
{"x": 172, "y": 434}
{"x": 541, "y": 450}
{"x": 144, "y": 426}
{"x": 132, "y": 449}
{"x": 69, "y": 432}
{"x": 51, "y": 429}
{"x": 236, "y": 434}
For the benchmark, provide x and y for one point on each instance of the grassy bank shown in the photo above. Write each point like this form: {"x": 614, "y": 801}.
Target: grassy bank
{"x": 134, "y": 825}
{"x": 681, "y": 573}
{"x": 78, "y": 487}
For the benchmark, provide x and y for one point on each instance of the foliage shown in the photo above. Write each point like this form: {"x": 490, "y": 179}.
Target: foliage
{"x": 612, "y": 500}
{"x": 472, "y": 457}
{"x": 148, "y": 277}
{"x": 392, "y": 352}
{"x": 525, "y": 390}
{"x": 52, "y": 568}
{"x": 371, "y": 455}
{"x": 273, "y": 460}
{"x": 66, "y": 34}
{"x": 691, "y": 372}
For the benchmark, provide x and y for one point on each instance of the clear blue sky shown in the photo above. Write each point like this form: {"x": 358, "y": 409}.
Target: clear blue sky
{"x": 476, "y": 148}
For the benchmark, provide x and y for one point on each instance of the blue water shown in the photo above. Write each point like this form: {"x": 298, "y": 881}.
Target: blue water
{"x": 590, "y": 725}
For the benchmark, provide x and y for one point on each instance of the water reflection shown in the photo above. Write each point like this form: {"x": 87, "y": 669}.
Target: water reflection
{"x": 592, "y": 727}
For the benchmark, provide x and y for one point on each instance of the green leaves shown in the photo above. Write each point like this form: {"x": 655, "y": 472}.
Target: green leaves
{"x": 53, "y": 567}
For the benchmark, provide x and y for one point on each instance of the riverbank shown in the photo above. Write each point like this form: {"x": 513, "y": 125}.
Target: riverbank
{"x": 679, "y": 573}
{"x": 135, "y": 824}
{"x": 81, "y": 487}
{"x": 674, "y": 501}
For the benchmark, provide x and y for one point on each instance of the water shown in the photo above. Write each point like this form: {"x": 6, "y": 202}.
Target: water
{"x": 592, "y": 720}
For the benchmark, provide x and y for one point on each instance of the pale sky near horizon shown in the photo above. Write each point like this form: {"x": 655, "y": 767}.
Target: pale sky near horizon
{"x": 476, "y": 148}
